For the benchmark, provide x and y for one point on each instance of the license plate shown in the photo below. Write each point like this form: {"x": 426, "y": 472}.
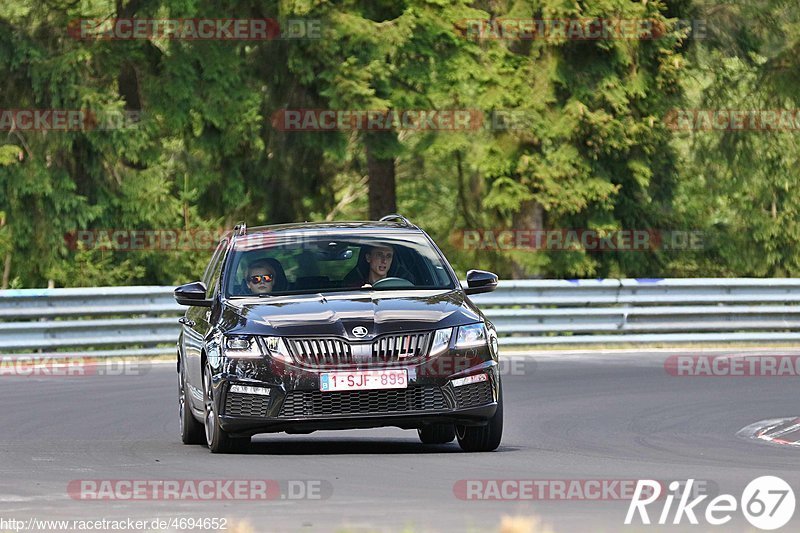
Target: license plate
{"x": 364, "y": 380}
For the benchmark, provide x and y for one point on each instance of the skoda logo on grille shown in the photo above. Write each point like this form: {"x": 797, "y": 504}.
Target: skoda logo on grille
{"x": 360, "y": 331}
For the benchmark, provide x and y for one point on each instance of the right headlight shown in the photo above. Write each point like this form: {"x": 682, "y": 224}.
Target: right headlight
{"x": 241, "y": 347}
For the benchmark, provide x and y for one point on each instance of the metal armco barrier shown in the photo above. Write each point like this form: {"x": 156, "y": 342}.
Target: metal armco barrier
{"x": 108, "y": 321}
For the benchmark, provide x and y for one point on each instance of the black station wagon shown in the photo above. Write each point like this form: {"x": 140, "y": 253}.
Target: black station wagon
{"x": 303, "y": 327}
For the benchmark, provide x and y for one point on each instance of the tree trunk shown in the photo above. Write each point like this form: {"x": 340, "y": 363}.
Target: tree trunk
{"x": 127, "y": 79}
{"x": 7, "y": 261}
{"x": 6, "y": 272}
{"x": 529, "y": 217}
{"x": 381, "y": 172}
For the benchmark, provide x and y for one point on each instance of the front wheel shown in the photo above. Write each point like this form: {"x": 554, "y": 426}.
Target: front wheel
{"x": 483, "y": 438}
{"x": 218, "y": 440}
{"x": 191, "y": 429}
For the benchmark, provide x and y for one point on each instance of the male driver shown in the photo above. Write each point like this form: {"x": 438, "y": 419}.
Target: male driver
{"x": 260, "y": 277}
{"x": 379, "y": 259}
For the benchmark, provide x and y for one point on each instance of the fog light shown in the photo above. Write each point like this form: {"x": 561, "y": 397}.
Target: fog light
{"x": 245, "y": 389}
{"x": 477, "y": 378}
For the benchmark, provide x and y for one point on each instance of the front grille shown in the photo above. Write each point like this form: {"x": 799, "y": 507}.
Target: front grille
{"x": 317, "y": 403}
{"x": 398, "y": 347}
{"x": 474, "y": 394}
{"x": 321, "y": 352}
{"x": 246, "y": 405}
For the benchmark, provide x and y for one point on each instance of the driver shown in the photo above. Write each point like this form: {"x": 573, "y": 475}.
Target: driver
{"x": 379, "y": 258}
{"x": 374, "y": 265}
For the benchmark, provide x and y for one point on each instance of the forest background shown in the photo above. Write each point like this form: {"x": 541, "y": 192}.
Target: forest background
{"x": 577, "y": 132}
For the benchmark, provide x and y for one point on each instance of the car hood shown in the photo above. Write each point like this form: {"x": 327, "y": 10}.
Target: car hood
{"x": 336, "y": 314}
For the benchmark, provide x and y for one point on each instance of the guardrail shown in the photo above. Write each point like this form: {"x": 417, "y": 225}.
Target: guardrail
{"x": 110, "y": 321}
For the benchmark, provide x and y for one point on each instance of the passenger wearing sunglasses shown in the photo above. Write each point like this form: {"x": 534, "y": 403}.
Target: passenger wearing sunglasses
{"x": 261, "y": 276}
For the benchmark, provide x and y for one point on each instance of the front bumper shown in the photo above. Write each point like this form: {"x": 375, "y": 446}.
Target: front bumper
{"x": 295, "y": 403}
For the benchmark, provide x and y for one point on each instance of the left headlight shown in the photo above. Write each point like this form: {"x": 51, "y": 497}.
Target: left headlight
{"x": 240, "y": 347}
{"x": 441, "y": 340}
{"x": 277, "y": 349}
{"x": 472, "y": 336}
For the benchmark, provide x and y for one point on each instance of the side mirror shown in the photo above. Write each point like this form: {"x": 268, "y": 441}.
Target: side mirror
{"x": 479, "y": 281}
{"x": 192, "y": 294}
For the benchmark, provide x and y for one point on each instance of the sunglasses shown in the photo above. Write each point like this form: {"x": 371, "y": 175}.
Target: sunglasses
{"x": 266, "y": 278}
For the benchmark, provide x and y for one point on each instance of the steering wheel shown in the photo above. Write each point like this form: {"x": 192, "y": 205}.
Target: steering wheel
{"x": 391, "y": 283}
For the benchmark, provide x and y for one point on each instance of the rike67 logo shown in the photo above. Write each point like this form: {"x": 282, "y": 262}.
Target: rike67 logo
{"x": 767, "y": 502}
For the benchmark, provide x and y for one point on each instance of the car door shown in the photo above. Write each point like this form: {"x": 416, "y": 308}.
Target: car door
{"x": 196, "y": 326}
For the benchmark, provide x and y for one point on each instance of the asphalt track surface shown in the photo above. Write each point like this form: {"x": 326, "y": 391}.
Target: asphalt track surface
{"x": 567, "y": 417}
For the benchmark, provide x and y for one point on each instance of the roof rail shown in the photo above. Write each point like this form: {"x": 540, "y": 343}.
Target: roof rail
{"x": 240, "y": 229}
{"x": 395, "y": 216}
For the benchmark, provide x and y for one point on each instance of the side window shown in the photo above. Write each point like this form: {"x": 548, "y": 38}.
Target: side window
{"x": 211, "y": 277}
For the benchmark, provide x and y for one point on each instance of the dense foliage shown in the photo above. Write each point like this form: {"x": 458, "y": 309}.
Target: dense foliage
{"x": 193, "y": 144}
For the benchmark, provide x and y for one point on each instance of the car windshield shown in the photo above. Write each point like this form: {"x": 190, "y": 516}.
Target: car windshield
{"x": 266, "y": 264}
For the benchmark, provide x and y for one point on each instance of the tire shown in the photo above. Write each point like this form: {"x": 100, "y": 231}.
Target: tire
{"x": 483, "y": 438}
{"x": 437, "y": 433}
{"x": 218, "y": 440}
{"x": 192, "y": 431}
